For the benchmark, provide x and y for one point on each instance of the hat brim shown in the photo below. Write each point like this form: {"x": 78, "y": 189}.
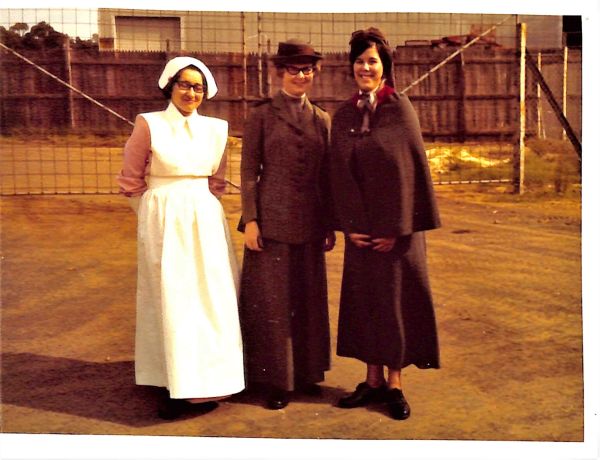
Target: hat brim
{"x": 296, "y": 58}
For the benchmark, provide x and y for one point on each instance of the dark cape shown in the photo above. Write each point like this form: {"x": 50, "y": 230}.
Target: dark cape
{"x": 381, "y": 186}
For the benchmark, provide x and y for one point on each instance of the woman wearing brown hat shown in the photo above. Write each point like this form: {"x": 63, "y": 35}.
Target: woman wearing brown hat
{"x": 384, "y": 201}
{"x": 285, "y": 220}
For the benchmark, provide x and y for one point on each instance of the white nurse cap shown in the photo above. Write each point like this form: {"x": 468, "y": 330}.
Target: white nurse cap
{"x": 181, "y": 62}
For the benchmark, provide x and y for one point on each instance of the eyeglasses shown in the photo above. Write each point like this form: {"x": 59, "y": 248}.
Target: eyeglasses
{"x": 293, "y": 70}
{"x": 185, "y": 86}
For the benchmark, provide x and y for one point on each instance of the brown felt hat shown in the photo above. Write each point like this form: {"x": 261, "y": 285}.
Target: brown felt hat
{"x": 294, "y": 50}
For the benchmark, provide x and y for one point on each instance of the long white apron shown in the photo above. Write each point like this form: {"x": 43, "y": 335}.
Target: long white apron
{"x": 187, "y": 332}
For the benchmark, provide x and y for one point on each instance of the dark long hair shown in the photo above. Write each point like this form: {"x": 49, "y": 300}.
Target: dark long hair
{"x": 168, "y": 89}
{"x": 362, "y": 40}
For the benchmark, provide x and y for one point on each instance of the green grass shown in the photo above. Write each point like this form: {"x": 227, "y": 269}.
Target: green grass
{"x": 550, "y": 165}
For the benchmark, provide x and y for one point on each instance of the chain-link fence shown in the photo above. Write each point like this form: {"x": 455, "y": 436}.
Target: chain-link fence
{"x": 72, "y": 81}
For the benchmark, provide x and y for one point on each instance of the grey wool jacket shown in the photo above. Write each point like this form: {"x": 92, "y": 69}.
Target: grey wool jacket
{"x": 284, "y": 172}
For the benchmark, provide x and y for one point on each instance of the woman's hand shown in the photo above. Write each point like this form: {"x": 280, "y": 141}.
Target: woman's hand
{"x": 329, "y": 242}
{"x": 252, "y": 237}
{"x": 384, "y": 244}
{"x": 360, "y": 240}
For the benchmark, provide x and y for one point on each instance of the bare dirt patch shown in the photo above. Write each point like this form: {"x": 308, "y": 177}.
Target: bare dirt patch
{"x": 506, "y": 277}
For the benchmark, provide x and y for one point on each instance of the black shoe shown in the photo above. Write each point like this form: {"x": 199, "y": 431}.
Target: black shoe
{"x": 363, "y": 395}
{"x": 202, "y": 408}
{"x": 278, "y": 399}
{"x": 172, "y": 409}
{"x": 397, "y": 404}
{"x": 310, "y": 389}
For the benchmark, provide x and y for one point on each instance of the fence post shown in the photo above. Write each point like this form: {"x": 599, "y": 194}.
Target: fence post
{"x": 541, "y": 133}
{"x": 69, "y": 70}
{"x": 461, "y": 118}
{"x": 244, "y": 67}
{"x": 259, "y": 69}
{"x": 269, "y": 80}
{"x": 519, "y": 157}
{"x": 564, "y": 85}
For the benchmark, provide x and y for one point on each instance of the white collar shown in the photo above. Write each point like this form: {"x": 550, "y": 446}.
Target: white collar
{"x": 175, "y": 117}
{"x": 301, "y": 98}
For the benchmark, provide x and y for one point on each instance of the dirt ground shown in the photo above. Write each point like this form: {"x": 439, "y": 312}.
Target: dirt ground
{"x": 506, "y": 277}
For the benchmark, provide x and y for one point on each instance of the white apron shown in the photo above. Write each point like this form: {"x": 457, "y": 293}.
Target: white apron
{"x": 187, "y": 332}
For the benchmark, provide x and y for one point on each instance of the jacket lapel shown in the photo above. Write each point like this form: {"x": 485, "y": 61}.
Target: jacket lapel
{"x": 309, "y": 113}
{"x": 311, "y": 117}
{"x": 309, "y": 124}
{"x": 283, "y": 111}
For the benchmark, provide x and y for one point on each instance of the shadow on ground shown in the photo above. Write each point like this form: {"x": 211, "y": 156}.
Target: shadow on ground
{"x": 102, "y": 391}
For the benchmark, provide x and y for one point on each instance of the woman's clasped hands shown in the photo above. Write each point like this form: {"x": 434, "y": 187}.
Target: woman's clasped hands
{"x": 361, "y": 240}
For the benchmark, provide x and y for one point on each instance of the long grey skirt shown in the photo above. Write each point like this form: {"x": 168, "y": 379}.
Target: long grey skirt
{"x": 386, "y": 309}
{"x": 284, "y": 315}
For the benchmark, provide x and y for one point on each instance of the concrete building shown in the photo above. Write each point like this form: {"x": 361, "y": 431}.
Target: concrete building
{"x": 202, "y": 31}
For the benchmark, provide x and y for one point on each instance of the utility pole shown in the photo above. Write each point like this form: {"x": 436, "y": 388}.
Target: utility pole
{"x": 519, "y": 157}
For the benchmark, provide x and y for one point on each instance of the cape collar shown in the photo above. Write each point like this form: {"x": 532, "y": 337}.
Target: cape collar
{"x": 382, "y": 94}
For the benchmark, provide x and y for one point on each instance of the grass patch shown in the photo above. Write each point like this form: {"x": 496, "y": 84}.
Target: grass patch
{"x": 550, "y": 165}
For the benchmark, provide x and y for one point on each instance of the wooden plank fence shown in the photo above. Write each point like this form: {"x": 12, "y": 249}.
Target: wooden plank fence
{"x": 473, "y": 98}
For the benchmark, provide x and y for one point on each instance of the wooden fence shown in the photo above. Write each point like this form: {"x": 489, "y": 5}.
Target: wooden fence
{"x": 474, "y": 97}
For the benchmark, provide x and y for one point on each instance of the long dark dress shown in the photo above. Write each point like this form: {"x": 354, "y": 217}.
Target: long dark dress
{"x": 381, "y": 186}
{"x": 283, "y": 305}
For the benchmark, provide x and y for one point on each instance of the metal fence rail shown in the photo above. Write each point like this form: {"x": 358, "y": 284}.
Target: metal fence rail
{"x": 66, "y": 109}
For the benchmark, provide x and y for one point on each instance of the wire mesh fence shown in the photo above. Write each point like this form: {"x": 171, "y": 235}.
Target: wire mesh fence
{"x": 64, "y": 132}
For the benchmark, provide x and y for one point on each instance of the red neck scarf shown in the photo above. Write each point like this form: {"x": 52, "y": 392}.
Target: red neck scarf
{"x": 383, "y": 94}
{"x": 360, "y": 101}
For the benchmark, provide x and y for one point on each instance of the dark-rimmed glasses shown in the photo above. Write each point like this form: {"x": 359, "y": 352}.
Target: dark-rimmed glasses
{"x": 293, "y": 70}
{"x": 186, "y": 85}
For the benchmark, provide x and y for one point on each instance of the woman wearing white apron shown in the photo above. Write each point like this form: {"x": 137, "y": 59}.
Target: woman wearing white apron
{"x": 187, "y": 329}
